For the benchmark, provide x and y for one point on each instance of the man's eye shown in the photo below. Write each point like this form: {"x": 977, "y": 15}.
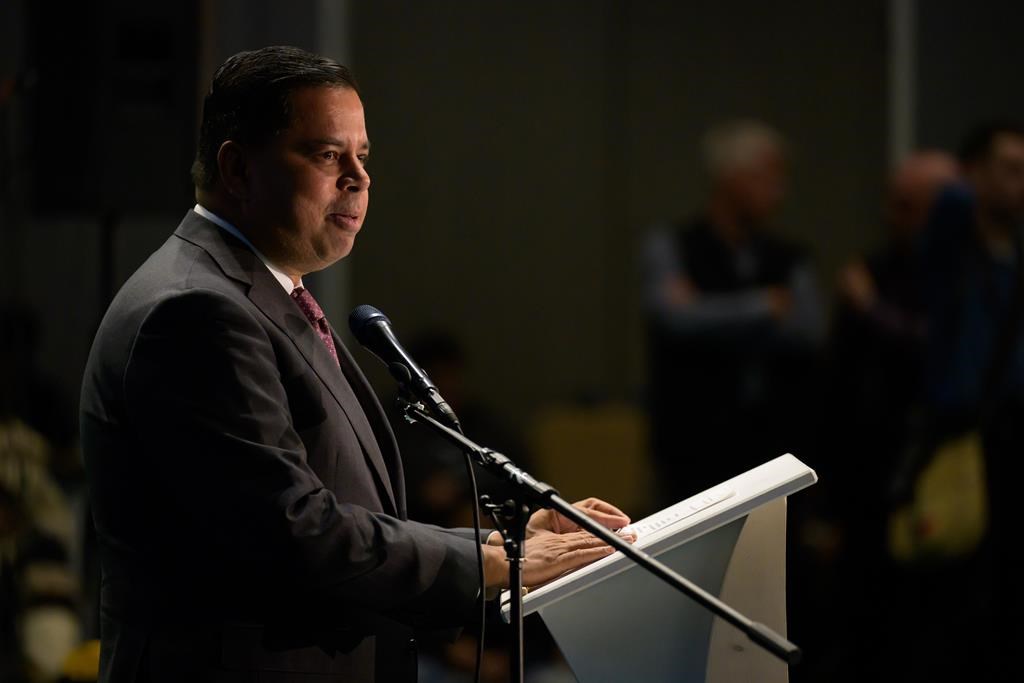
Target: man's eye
{"x": 363, "y": 158}
{"x": 329, "y": 156}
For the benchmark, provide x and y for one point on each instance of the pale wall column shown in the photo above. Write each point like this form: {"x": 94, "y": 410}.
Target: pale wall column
{"x": 902, "y": 82}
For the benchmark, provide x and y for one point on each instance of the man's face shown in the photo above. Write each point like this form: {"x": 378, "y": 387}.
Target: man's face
{"x": 308, "y": 190}
{"x": 999, "y": 179}
{"x": 758, "y": 188}
{"x": 912, "y": 190}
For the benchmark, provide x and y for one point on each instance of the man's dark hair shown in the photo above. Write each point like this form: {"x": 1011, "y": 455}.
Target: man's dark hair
{"x": 249, "y": 100}
{"x": 978, "y": 143}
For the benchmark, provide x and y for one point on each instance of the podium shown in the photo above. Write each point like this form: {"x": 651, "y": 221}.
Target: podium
{"x": 616, "y": 622}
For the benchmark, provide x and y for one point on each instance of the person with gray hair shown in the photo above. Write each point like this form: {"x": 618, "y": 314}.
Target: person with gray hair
{"x": 733, "y": 317}
{"x": 739, "y": 144}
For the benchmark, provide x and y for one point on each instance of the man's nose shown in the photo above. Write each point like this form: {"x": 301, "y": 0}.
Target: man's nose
{"x": 355, "y": 178}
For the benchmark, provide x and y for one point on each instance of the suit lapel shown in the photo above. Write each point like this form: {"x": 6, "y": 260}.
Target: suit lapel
{"x": 378, "y": 418}
{"x": 270, "y": 297}
{"x": 266, "y": 293}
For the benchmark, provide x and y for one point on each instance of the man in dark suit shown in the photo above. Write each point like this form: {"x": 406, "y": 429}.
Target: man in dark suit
{"x": 247, "y": 489}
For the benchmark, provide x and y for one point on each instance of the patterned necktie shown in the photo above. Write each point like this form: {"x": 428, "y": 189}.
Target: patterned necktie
{"x": 315, "y": 314}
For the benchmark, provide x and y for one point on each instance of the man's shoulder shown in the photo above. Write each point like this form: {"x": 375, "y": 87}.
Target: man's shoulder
{"x": 173, "y": 274}
{"x": 179, "y": 270}
{"x": 177, "y": 267}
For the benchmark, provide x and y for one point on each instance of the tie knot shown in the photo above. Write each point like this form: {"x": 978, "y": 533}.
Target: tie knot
{"x": 308, "y": 304}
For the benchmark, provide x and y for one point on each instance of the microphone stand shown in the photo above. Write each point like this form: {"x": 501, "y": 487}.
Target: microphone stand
{"x": 512, "y": 517}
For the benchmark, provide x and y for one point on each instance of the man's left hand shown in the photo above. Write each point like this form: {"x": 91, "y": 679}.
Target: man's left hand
{"x": 549, "y": 521}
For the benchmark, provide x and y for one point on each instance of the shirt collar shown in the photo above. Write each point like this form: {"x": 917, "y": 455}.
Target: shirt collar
{"x": 285, "y": 280}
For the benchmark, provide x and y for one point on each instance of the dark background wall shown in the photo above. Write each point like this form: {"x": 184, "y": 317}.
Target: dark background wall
{"x": 966, "y": 58}
{"x": 520, "y": 149}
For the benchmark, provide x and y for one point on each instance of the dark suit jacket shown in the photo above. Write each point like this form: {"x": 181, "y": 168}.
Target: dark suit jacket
{"x": 248, "y": 493}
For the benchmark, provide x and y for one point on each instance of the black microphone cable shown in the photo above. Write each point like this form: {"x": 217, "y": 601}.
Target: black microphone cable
{"x": 479, "y": 560}
{"x": 358, "y": 319}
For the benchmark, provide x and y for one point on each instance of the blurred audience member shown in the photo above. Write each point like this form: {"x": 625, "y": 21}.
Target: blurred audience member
{"x": 39, "y": 466}
{"x": 27, "y": 391}
{"x": 874, "y": 387}
{"x": 38, "y": 591}
{"x": 879, "y": 336}
{"x": 971, "y": 271}
{"x": 883, "y": 287}
{"x": 733, "y": 318}
{"x": 968, "y": 612}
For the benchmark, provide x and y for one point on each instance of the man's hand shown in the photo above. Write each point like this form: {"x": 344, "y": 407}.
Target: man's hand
{"x": 548, "y": 556}
{"x": 555, "y": 545}
{"x": 857, "y": 286}
{"x": 549, "y": 521}
{"x": 679, "y": 292}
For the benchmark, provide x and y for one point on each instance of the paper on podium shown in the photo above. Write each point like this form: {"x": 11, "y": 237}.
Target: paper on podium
{"x": 730, "y": 540}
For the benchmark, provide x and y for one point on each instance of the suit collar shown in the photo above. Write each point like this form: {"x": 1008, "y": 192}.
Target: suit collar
{"x": 238, "y": 262}
{"x": 286, "y": 282}
{"x": 232, "y": 256}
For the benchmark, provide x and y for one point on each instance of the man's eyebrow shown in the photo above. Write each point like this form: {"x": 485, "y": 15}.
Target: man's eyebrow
{"x": 365, "y": 147}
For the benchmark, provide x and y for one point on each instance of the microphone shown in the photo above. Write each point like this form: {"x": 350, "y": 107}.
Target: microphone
{"x": 372, "y": 329}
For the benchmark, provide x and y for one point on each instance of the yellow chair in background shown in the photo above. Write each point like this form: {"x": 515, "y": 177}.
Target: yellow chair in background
{"x": 600, "y": 450}
{"x": 82, "y": 664}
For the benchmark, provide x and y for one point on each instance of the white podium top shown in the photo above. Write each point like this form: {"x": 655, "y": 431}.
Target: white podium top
{"x": 679, "y": 524}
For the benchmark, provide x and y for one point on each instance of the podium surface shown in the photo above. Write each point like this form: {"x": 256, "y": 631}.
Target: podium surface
{"x": 614, "y": 621}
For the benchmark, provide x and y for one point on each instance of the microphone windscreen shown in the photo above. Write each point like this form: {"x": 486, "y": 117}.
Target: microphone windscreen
{"x": 361, "y": 317}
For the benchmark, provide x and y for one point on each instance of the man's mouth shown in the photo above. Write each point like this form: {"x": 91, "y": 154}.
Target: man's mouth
{"x": 345, "y": 220}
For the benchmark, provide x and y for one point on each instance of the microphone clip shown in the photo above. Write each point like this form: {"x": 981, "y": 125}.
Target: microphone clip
{"x": 409, "y": 404}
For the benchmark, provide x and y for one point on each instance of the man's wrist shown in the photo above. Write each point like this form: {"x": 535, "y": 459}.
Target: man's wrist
{"x": 495, "y": 569}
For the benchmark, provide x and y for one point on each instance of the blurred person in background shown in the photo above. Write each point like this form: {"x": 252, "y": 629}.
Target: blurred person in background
{"x": 39, "y": 622}
{"x": 734, "y": 320}
{"x": 970, "y": 271}
{"x": 882, "y": 288}
{"x": 40, "y": 595}
{"x": 878, "y": 338}
{"x": 28, "y": 391}
{"x": 964, "y": 616}
{"x": 875, "y": 381}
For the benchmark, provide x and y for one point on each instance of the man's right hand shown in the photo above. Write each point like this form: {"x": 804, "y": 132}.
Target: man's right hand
{"x": 548, "y": 556}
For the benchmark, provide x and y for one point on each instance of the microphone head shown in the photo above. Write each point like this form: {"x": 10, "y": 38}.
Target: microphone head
{"x": 361, "y": 317}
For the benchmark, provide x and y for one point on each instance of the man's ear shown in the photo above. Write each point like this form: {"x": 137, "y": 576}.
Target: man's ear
{"x": 233, "y": 168}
